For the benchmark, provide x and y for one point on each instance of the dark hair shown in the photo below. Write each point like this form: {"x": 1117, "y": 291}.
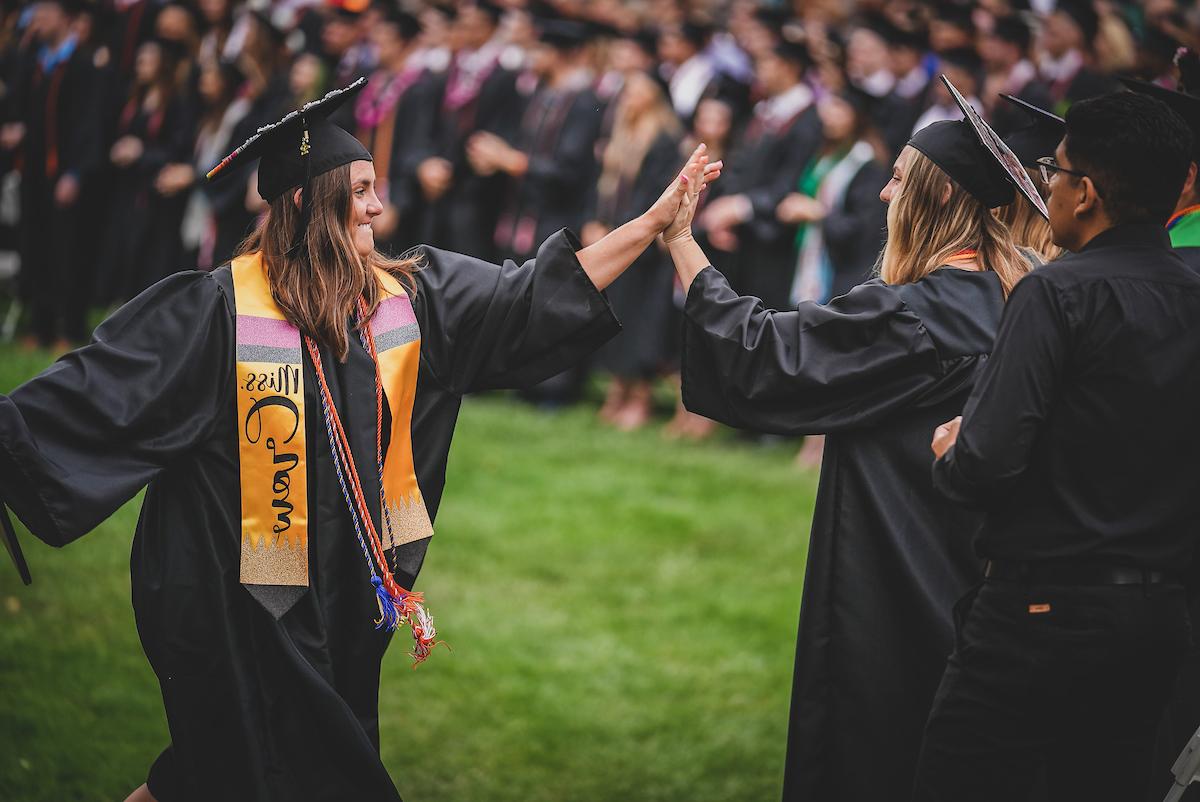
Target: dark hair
{"x": 1135, "y": 150}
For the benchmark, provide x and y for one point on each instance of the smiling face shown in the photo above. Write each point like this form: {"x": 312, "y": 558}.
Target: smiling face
{"x": 364, "y": 206}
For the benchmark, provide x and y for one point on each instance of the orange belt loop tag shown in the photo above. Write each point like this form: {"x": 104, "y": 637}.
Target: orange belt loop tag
{"x": 1035, "y": 609}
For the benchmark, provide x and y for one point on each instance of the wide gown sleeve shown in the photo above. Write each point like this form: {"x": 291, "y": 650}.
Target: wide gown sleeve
{"x": 813, "y": 370}
{"x": 82, "y": 438}
{"x": 487, "y": 327}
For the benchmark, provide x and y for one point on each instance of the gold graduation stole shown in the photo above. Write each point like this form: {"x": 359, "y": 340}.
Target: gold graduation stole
{"x": 272, "y": 446}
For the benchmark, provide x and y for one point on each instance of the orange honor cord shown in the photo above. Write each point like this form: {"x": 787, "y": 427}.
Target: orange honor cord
{"x": 396, "y": 605}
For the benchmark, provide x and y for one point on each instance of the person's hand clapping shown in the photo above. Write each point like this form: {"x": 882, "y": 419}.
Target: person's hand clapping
{"x": 797, "y": 208}
{"x": 126, "y": 150}
{"x": 174, "y": 178}
{"x": 434, "y": 175}
{"x": 945, "y": 436}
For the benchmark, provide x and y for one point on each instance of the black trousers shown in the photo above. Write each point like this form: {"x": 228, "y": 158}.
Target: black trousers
{"x": 1063, "y": 682}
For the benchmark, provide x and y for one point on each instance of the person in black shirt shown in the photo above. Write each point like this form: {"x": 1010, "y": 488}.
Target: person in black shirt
{"x": 1070, "y": 441}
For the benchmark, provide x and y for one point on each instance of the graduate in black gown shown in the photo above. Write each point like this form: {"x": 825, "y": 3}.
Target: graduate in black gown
{"x": 887, "y": 556}
{"x": 265, "y": 644}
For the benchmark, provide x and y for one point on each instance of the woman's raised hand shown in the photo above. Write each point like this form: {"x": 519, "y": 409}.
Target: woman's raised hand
{"x": 672, "y": 213}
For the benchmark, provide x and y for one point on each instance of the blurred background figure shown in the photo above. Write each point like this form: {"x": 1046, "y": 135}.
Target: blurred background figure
{"x": 496, "y": 122}
{"x": 641, "y": 156}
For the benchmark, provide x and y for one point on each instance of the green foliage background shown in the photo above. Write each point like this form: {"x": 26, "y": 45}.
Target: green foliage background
{"x": 622, "y": 612}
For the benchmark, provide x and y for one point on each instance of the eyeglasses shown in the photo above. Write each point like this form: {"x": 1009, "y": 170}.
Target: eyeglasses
{"x": 1048, "y": 167}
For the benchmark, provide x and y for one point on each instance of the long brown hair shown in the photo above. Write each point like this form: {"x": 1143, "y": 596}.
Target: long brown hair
{"x": 924, "y": 233}
{"x": 317, "y": 287}
{"x": 1030, "y": 229}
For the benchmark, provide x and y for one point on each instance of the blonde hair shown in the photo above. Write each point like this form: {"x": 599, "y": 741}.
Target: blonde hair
{"x": 317, "y": 285}
{"x": 1029, "y": 229}
{"x": 924, "y": 232}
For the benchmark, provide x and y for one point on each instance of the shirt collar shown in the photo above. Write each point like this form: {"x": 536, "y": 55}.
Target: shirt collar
{"x": 1150, "y": 235}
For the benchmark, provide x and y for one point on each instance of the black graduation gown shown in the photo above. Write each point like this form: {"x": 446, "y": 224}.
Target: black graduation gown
{"x": 558, "y": 133}
{"x": 143, "y": 242}
{"x": 259, "y": 708}
{"x": 63, "y": 134}
{"x": 765, "y": 166}
{"x": 465, "y": 217}
{"x": 642, "y": 295}
{"x": 877, "y": 370}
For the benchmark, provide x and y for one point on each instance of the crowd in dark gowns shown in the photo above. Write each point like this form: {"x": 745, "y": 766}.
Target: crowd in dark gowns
{"x": 494, "y": 125}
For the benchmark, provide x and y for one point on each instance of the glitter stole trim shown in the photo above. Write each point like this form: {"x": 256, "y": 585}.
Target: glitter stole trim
{"x": 271, "y": 435}
{"x": 398, "y": 343}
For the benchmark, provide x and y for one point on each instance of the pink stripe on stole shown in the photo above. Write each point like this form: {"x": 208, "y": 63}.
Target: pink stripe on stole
{"x": 265, "y": 331}
{"x": 393, "y": 313}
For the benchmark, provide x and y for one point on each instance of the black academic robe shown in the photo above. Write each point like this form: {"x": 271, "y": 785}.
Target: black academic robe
{"x": 558, "y": 133}
{"x": 642, "y": 295}
{"x": 876, "y": 370}
{"x": 765, "y": 166}
{"x": 261, "y": 708}
{"x": 142, "y": 243}
{"x": 63, "y": 136}
{"x": 465, "y": 217}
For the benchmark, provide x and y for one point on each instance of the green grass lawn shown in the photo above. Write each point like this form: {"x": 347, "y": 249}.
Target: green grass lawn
{"x": 622, "y": 613}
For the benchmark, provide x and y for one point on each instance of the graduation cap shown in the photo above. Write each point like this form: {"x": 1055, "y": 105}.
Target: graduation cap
{"x": 1037, "y": 139}
{"x": 493, "y": 11}
{"x": 794, "y": 52}
{"x": 301, "y": 145}
{"x": 407, "y": 24}
{"x": 1012, "y": 29}
{"x": 913, "y": 38}
{"x": 563, "y": 34}
{"x": 972, "y": 154}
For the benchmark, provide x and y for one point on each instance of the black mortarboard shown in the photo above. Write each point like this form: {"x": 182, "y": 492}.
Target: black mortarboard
{"x": 956, "y": 14}
{"x": 913, "y": 38}
{"x": 794, "y": 52}
{"x": 971, "y": 153}
{"x": 696, "y": 31}
{"x": 494, "y": 11}
{"x": 774, "y": 17}
{"x": 563, "y": 34}
{"x": 646, "y": 39}
{"x": 1185, "y": 105}
{"x": 301, "y": 145}
{"x": 1014, "y": 30}
{"x": 1037, "y": 139}
{"x": 966, "y": 58}
{"x": 408, "y": 25}
{"x": 1082, "y": 13}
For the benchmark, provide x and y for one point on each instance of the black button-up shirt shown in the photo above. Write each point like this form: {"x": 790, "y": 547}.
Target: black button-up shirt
{"x": 1082, "y": 435}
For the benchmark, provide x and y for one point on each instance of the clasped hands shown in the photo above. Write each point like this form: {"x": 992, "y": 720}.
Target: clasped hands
{"x": 674, "y": 210}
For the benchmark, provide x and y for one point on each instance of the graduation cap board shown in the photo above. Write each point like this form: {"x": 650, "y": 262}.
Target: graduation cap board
{"x": 1037, "y": 139}
{"x": 999, "y": 151}
{"x": 301, "y": 145}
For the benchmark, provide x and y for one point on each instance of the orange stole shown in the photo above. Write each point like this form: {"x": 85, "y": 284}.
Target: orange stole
{"x": 398, "y": 342}
{"x": 271, "y": 433}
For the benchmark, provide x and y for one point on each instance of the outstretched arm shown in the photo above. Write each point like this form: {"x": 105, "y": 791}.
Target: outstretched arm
{"x": 613, "y": 254}
{"x": 685, "y": 252}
